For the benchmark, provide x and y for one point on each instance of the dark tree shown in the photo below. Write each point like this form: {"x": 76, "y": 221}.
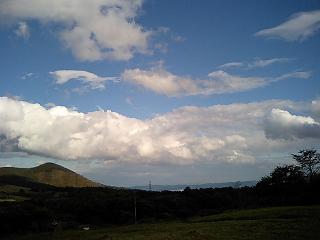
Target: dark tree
{"x": 309, "y": 161}
{"x": 287, "y": 174}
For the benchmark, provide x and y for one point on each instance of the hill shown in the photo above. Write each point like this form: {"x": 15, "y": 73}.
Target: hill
{"x": 51, "y": 174}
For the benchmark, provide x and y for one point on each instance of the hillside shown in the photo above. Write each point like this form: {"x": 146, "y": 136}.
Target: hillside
{"x": 50, "y": 173}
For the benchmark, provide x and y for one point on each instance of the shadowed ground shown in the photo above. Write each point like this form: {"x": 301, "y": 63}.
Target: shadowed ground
{"x": 267, "y": 223}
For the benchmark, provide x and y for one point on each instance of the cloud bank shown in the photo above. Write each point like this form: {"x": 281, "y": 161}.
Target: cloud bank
{"x": 93, "y": 30}
{"x": 235, "y": 133}
{"x": 299, "y": 27}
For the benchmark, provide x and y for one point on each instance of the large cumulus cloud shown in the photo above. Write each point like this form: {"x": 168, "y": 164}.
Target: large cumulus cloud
{"x": 93, "y": 30}
{"x": 232, "y": 133}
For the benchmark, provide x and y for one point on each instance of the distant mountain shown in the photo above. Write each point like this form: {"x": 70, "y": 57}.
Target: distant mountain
{"x": 51, "y": 174}
{"x": 181, "y": 187}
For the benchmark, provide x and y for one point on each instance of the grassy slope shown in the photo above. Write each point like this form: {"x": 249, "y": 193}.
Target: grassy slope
{"x": 51, "y": 174}
{"x": 267, "y": 223}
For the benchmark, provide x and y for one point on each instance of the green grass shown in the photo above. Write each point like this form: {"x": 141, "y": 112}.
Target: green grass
{"x": 266, "y": 223}
{"x": 8, "y": 193}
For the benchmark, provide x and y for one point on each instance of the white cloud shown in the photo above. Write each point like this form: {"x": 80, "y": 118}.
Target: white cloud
{"x": 282, "y": 124}
{"x": 232, "y": 133}
{"x": 27, "y": 75}
{"x": 49, "y": 105}
{"x": 14, "y": 97}
{"x": 93, "y": 80}
{"x": 129, "y": 100}
{"x": 161, "y": 81}
{"x": 178, "y": 38}
{"x": 173, "y": 36}
{"x": 163, "y": 29}
{"x": 297, "y": 74}
{"x": 258, "y": 63}
{"x": 161, "y": 47}
{"x": 231, "y": 65}
{"x": 299, "y": 27}
{"x": 266, "y": 62}
{"x": 23, "y": 30}
{"x": 93, "y": 30}
{"x": 224, "y": 82}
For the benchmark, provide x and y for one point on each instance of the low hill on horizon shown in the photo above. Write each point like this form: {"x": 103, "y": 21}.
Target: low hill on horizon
{"x": 181, "y": 187}
{"x": 51, "y": 174}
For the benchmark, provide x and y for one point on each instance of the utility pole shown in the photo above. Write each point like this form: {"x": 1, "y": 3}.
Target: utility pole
{"x": 135, "y": 207}
{"x": 150, "y": 189}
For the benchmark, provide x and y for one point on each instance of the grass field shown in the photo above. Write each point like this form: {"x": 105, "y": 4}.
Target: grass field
{"x": 299, "y": 222}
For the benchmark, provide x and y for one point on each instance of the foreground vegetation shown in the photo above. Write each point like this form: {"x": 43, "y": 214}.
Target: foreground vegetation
{"x": 30, "y": 207}
{"x": 300, "y": 222}
{"x": 46, "y": 210}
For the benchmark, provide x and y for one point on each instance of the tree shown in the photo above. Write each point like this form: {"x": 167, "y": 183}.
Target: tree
{"x": 287, "y": 174}
{"x": 309, "y": 161}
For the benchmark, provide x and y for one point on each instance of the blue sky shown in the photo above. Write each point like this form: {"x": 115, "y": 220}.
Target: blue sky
{"x": 184, "y": 113}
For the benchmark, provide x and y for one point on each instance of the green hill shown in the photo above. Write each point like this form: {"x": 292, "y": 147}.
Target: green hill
{"x": 51, "y": 174}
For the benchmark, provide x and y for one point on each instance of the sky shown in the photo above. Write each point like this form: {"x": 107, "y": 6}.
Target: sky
{"x": 176, "y": 92}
